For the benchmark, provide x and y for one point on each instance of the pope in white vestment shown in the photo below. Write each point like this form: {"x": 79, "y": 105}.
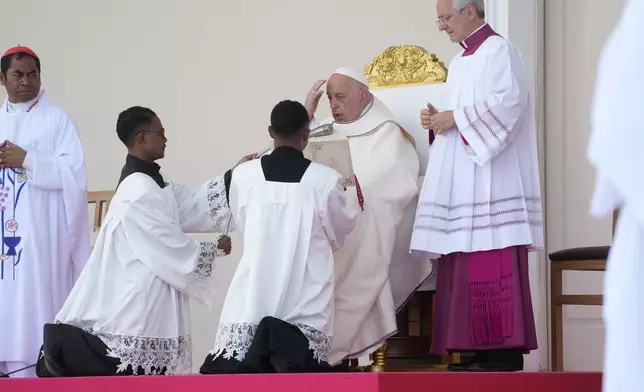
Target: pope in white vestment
{"x": 615, "y": 150}
{"x": 480, "y": 205}
{"x": 294, "y": 214}
{"x": 129, "y": 312}
{"x": 386, "y": 167}
{"x": 43, "y": 210}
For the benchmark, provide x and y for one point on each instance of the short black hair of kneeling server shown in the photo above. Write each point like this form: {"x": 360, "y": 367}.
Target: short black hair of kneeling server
{"x": 131, "y": 121}
{"x": 288, "y": 118}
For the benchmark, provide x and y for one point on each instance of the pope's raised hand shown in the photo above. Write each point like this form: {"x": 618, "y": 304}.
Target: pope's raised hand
{"x": 313, "y": 98}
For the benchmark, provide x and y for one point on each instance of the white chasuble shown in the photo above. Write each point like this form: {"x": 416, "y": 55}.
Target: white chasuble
{"x": 386, "y": 166}
{"x": 615, "y": 150}
{"x": 44, "y": 223}
{"x": 482, "y": 187}
{"x": 286, "y": 271}
{"x": 134, "y": 292}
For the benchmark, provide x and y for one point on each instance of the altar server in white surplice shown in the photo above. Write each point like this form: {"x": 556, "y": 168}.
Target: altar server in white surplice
{"x": 129, "y": 312}
{"x": 615, "y": 151}
{"x": 480, "y": 205}
{"x": 278, "y": 314}
{"x": 386, "y": 168}
{"x": 43, "y": 210}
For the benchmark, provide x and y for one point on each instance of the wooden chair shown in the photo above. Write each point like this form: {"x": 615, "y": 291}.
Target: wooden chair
{"x": 575, "y": 259}
{"x": 102, "y": 201}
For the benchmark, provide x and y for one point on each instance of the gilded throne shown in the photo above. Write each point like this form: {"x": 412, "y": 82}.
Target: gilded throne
{"x": 406, "y": 78}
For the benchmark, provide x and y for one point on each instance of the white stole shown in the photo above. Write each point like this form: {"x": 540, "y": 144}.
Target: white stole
{"x": 386, "y": 166}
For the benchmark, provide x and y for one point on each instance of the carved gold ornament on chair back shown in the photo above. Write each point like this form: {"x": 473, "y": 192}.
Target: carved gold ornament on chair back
{"x": 405, "y": 65}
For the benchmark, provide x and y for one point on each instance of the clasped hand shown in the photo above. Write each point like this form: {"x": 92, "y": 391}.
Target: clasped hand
{"x": 438, "y": 122}
{"x": 225, "y": 244}
{"x": 11, "y": 156}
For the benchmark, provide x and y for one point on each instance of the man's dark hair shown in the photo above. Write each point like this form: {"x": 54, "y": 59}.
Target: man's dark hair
{"x": 5, "y": 62}
{"x": 288, "y": 118}
{"x": 131, "y": 121}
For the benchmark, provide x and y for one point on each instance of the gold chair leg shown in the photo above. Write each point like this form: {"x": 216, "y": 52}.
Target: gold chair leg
{"x": 379, "y": 359}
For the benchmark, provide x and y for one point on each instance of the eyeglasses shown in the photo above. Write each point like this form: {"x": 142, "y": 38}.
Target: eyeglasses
{"x": 159, "y": 132}
{"x": 442, "y": 20}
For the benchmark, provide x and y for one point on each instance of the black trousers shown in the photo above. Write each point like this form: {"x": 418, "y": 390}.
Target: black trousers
{"x": 278, "y": 347}
{"x": 69, "y": 351}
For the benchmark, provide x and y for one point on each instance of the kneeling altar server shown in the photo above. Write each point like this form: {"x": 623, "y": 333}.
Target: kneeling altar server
{"x": 129, "y": 312}
{"x": 278, "y": 314}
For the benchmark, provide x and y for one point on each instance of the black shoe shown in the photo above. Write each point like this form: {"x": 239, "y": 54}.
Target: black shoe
{"x": 491, "y": 361}
{"x": 513, "y": 358}
{"x": 479, "y": 356}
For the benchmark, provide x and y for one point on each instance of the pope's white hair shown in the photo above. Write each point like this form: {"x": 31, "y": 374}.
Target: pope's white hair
{"x": 479, "y": 4}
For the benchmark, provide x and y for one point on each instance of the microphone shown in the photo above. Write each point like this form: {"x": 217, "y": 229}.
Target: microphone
{"x": 322, "y": 130}
{"x": 263, "y": 152}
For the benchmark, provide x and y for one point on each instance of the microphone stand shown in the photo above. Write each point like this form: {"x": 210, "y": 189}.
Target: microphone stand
{"x": 6, "y": 375}
{"x": 230, "y": 214}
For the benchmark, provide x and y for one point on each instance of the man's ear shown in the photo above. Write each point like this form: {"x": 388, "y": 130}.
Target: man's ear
{"x": 471, "y": 12}
{"x": 364, "y": 96}
{"x": 270, "y": 132}
{"x": 139, "y": 138}
{"x": 2, "y": 80}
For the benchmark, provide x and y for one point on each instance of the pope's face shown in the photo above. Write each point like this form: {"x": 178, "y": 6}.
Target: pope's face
{"x": 22, "y": 80}
{"x": 345, "y": 98}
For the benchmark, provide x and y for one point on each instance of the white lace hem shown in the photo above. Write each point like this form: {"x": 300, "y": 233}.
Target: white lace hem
{"x": 201, "y": 286}
{"x": 235, "y": 339}
{"x": 152, "y": 355}
{"x": 217, "y": 202}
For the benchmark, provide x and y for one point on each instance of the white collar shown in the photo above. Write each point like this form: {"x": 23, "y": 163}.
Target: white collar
{"x": 22, "y": 107}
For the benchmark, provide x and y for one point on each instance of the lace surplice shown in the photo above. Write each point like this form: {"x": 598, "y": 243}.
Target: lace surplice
{"x": 234, "y": 339}
{"x": 151, "y": 348}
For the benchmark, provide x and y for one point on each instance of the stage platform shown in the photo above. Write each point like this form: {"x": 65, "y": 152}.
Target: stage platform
{"x": 339, "y": 382}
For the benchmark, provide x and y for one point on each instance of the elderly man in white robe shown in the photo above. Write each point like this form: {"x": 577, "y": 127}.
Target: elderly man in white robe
{"x": 386, "y": 167}
{"x": 43, "y": 211}
{"x": 615, "y": 150}
{"x": 480, "y": 205}
{"x": 129, "y": 312}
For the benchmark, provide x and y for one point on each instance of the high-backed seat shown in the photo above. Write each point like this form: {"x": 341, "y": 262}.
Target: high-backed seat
{"x": 406, "y": 78}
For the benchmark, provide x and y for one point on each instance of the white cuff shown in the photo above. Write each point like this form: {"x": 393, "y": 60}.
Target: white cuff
{"x": 28, "y": 163}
